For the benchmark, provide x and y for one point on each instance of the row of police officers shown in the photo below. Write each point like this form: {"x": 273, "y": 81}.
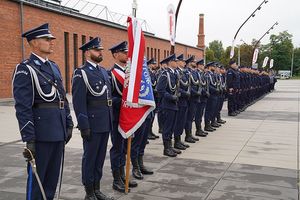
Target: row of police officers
{"x": 185, "y": 90}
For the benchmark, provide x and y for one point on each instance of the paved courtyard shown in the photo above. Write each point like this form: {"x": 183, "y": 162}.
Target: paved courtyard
{"x": 254, "y": 156}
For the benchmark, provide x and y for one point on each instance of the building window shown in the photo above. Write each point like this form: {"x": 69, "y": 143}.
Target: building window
{"x": 75, "y": 44}
{"x": 154, "y": 53}
{"x": 147, "y": 53}
{"x": 165, "y": 53}
{"x": 151, "y": 53}
{"x": 168, "y": 52}
{"x": 67, "y": 61}
{"x": 158, "y": 55}
{"x": 83, "y": 41}
{"x": 91, "y": 37}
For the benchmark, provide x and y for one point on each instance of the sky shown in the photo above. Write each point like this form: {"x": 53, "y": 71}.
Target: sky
{"x": 222, "y": 18}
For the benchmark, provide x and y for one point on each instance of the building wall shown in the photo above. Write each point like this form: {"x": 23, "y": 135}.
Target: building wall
{"x": 71, "y": 33}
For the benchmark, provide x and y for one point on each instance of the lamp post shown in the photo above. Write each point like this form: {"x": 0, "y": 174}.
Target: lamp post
{"x": 252, "y": 15}
{"x": 266, "y": 33}
{"x": 292, "y": 64}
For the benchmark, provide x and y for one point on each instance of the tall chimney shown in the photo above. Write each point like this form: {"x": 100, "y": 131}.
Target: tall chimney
{"x": 201, "y": 36}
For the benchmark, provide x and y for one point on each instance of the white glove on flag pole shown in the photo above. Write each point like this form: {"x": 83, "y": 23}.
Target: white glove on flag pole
{"x": 137, "y": 96}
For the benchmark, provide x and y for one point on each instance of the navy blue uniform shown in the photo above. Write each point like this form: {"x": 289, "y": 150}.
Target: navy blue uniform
{"x": 43, "y": 115}
{"x": 167, "y": 89}
{"x": 194, "y": 100}
{"x": 213, "y": 97}
{"x": 233, "y": 85}
{"x": 92, "y": 104}
{"x": 117, "y": 151}
{"x": 203, "y": 100}
{"x": 185, "y": 93}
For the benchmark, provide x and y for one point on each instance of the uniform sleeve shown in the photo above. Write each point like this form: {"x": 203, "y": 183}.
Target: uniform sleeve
{"x": 162, "y": 87}
{"x": 79, "y": 100}
{"x": 23, "y": 93}
{"x": 229, "y": 79}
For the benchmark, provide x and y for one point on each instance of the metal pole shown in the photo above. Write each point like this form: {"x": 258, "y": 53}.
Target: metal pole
{"x": 239, "y": 56}
{"x": 292, "y": 64}
{"x": 127, "y": 173}
{"x": 252, "y": 15}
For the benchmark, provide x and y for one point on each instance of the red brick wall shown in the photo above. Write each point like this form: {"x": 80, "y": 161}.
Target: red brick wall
{"x": 11, "y": 46}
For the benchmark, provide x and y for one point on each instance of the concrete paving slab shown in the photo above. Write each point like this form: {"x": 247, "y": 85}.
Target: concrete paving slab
{"x": 274, "y": 192}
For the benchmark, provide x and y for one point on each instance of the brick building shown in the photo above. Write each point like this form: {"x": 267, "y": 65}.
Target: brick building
{"x": 71, "y": 29}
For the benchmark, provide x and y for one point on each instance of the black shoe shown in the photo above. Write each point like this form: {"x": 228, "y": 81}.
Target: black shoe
{"x": 208, "y": 128}
{"x": 188, "y": 137}
{"x": 176, "y": 150}
{"x": 151, "y": 137}
{"x": 194, "y": 138}
{"x": 178, "y": 144}
{"x": 168, "y": 150}
{"x": 118, "y": 184}
{"x": 136, "y": 172}
{"x": 189, "y": 140}
{"x": 144, "y": 169}
{"x": 89, "y": 193}
{"x": 221, "y": 121}
{"x": 184, "y": 144}
{"x": 233, "y": 114}
{"x": 99, "y": 195}
{"x": 201, "y": 134}
{"x": 132, "y": 183}
{"x": 215, "y": 125}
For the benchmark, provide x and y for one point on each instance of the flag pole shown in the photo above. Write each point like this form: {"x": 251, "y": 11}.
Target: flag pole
{"x": 128, "y": 164}
{"x": 127, "y": 171}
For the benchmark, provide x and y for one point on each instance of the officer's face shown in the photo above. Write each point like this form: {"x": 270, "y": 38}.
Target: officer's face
{"x": 43, "y": 45}
{"x": 172, "y": 64}
{"x": 96, "y": 55}
{"x": 121, "y": 56}
{"x": 201, "y": 67}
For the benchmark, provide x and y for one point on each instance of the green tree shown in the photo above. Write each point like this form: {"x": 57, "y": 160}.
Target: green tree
{"x": 281, "y": 48}
{"x": 296, "y": 66}
{"x": 209, "y": 55}
{"x": 217, "y": 47}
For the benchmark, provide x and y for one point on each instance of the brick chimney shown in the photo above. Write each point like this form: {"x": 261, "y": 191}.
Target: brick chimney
{"x": 201, "y": 36}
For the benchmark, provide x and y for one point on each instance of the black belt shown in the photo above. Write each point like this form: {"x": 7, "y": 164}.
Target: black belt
{"x": 107, "y": 102}
{"x": 60, "y": 105}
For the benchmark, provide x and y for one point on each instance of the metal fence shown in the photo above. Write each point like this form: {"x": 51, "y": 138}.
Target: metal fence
{"x": 91, "y": 9}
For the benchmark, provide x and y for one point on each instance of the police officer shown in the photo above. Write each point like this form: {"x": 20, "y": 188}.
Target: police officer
{"x": 213, "y": 97}
{"x": 117, "y": 151}
{"x": 153, "y": 71}
{"x": 92, "y": 102}
{"x": 233, "y": 80}
{"x": 222, "y": 80}
{"x": 203, "y": 99}
{"x": 184, "y": 95}
{"x": 42, "y": 112}
{"x": 168, "y": 91}
{"x": 193, "y": 100}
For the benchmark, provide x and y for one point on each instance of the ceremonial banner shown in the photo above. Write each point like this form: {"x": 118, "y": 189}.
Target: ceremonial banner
{"x": 265, "y": 62}
{"x": 271, "y": 63}
{"x": 171, "y": 19}
{"x": 137, "y": 96}
{"x": 255, "y": 56}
